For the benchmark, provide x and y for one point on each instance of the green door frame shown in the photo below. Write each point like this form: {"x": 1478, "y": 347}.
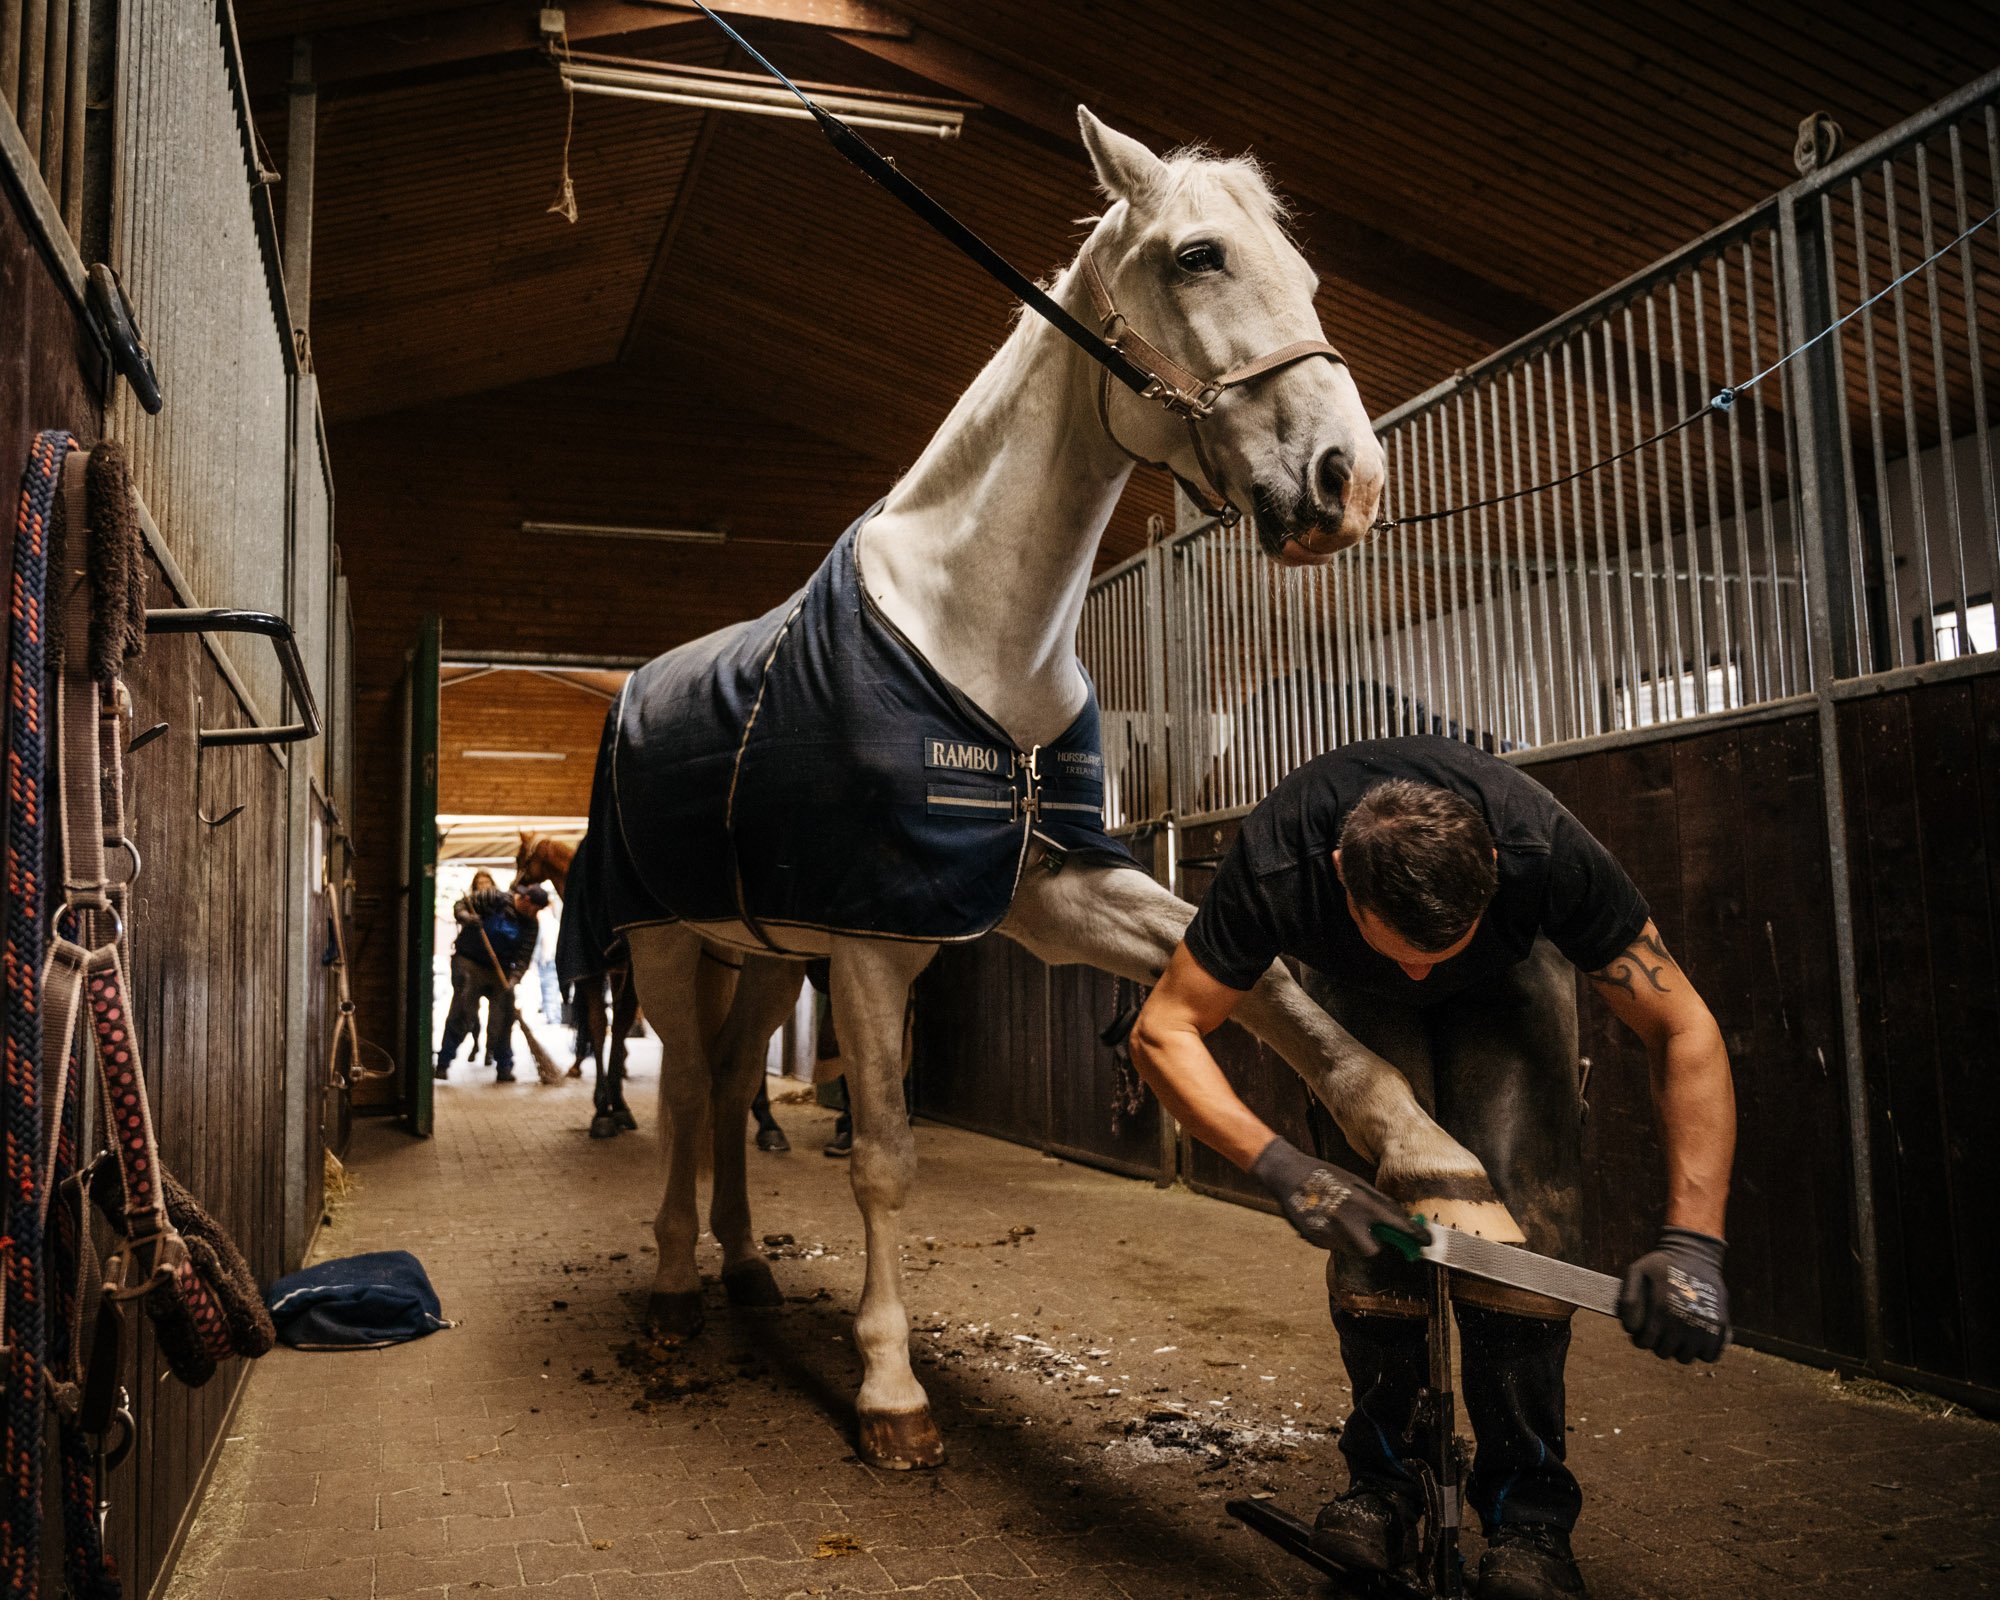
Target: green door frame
{"x": 420, "y": 712}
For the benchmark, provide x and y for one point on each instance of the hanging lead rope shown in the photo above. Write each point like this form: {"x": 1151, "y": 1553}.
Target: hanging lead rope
{"x": 23, "y": 1315}
{"x": 1718, "y": 404}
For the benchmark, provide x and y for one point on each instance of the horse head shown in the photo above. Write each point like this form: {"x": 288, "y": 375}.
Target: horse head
{"x": 1194, "y": 253}
{"x": 541, "y": 859}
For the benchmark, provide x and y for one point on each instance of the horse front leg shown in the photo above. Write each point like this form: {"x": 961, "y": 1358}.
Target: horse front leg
{"x": 1122, "y": 921}
{"x": 764, "y": 996}
{"x": 663, "y": 972}
{"x": 870, "y": 993}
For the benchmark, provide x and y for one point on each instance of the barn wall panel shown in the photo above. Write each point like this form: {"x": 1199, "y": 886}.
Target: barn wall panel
{"x": 188, "y": 239}
{"x": 518, "y": 711}
{"x": 206, "y": 916}
{"x": 1923, "y": 825}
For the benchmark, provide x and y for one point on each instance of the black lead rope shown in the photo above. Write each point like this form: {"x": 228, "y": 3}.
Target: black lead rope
{"x": 1010, "y": 277}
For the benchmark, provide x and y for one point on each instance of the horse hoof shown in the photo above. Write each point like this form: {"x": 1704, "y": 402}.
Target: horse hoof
{"x": 675, "y": 1316}
{"x": 901, "y": 1440}
{"x": 625, "y": 1118}
{"x": 773, "y": 1139}
{"x": 575, "y": 1071}
{"x": 749, "y": 1284}
{"x": 604, "y": 1127}
{"x": 1487, "y": 1218}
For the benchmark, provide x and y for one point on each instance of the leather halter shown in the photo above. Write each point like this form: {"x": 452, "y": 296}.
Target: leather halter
{"x": 1187, "y": 396}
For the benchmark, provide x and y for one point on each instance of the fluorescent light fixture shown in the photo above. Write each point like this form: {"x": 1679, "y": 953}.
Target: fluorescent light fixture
{"x": 611, "y": 530}
{"x": 515, "y": 755}
{"x": 713, "y": 89}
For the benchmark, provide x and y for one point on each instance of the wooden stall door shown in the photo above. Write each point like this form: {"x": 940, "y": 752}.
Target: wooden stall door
{"x": 419, "y": 892}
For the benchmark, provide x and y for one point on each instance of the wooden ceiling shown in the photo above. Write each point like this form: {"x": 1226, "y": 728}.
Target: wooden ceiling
{"x": 1461, "y": 172}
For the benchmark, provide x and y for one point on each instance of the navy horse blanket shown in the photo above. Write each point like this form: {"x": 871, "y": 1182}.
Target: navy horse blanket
{"x": 810, "y": 769}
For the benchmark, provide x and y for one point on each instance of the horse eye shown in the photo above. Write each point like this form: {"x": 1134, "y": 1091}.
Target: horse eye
{"x": 1204, "y": 257}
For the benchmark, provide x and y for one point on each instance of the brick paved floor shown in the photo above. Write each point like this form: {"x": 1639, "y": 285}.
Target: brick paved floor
{"x": 515, "y": 1454}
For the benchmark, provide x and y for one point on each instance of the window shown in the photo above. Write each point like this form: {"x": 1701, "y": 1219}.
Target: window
{"x": 1946, "y": 642}
{"x": 1659, "y": 700}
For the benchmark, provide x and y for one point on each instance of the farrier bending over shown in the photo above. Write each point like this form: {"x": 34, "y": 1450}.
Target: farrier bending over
{"x": 1438, "y": 898}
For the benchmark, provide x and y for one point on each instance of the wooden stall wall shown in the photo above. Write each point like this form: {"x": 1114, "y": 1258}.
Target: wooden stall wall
{"x": 1923, "y": 836}
{"x": 1724, "y": 832}
{"x": 205, "y": 979}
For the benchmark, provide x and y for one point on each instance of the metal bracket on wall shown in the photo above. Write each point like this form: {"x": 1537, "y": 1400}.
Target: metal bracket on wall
{"x": 222, "y": 619}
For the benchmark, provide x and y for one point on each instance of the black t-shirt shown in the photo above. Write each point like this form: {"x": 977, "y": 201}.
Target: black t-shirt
{"x": 1278, "y": 894}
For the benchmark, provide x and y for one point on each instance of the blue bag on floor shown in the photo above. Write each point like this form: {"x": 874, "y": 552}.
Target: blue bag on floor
{"x": 359, "y": 1303}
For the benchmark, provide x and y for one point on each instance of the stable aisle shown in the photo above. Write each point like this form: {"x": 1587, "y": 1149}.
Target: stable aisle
{"x": 1109, "y": 1364}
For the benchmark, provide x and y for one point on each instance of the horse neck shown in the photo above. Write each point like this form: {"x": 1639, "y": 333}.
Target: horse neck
{"x": 554, "y": 861}
{"x": 982, "y": 553}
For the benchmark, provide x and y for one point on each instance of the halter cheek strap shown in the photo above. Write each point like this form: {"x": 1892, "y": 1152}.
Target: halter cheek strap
{"x": 1182, "y": 392}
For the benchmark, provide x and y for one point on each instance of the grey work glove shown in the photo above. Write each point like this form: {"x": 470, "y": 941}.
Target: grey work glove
{"x": 1674, "y": 1302}
{"x": 1330, "y": 1206}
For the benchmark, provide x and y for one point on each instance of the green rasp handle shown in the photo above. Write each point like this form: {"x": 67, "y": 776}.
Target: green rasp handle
{"x": 1399, "y": 1241}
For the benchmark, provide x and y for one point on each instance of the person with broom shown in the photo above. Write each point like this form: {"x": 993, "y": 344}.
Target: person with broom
{"x": 495, "y": 944}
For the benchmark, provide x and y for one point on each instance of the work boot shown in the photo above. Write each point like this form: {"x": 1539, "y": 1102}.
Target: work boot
{"x": 1364, "y": 1530}
{"x": 1529, "y": 1561}
{"x": 842, "y": 1143}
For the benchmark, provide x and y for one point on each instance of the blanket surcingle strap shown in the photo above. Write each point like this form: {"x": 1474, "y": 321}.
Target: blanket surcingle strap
{"x": 811, "y": 770}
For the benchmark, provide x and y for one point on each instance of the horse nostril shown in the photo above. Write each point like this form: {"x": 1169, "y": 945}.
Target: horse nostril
{"x": 1330, "y": 475}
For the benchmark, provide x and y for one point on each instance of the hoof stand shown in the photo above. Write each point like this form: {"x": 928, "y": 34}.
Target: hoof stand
{"x": 675, "y": 1316}
{"x": 901, "y": 1440}
{"x": 750, "y": 1284}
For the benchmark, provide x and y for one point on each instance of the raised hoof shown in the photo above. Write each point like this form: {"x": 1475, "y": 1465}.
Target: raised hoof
{"x": 604, "y": 1126}
{"x": 901, "y": 1440}
{"x": 773, "y": 1139}
{"x": 575, "y": 1070}
{"x": 624, "y": 1118}
{"x": 675, "y": 1316}
{"x": 750, "y": 1284}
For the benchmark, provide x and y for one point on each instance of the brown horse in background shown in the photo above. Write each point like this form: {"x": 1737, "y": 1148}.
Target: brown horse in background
{"x": 545, "y": 860}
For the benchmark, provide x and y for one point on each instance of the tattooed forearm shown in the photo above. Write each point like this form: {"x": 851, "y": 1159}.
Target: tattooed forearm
{"x": 1645, "y": 958}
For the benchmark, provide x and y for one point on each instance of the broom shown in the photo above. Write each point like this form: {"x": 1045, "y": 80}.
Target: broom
{"x": 545, "y": 1064}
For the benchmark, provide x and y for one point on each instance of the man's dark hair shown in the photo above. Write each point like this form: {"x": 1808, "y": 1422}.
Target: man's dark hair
{"x": 1421, "y": 859}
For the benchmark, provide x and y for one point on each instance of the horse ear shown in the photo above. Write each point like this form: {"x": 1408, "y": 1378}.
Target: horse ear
{"x": 1125, "y": 167}
{"x": 527, "y": 839}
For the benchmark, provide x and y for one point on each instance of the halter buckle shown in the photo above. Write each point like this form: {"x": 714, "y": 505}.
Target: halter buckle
{"x": 169, "y": 1253}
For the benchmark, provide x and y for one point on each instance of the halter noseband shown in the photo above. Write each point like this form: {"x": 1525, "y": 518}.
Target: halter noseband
{"x": 1187, "y": 396}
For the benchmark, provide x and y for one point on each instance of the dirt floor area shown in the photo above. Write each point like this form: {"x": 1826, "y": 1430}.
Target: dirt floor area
{"x": 1110, "y": 1363}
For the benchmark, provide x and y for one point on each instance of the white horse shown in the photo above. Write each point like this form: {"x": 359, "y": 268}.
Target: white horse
{"x": 982, "y": 555}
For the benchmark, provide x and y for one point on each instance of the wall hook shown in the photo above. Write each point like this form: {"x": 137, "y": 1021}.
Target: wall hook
{"x": 145, "y": 737}
{"x": 200, "y": 759}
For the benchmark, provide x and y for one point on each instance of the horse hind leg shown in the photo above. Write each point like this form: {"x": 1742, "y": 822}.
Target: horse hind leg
{"x": 663, "y": 973}
{"x": 624, "y": 1017}
{"x": 764, "y": 997}
{"x": 589, "y": 1011}
{"x": 871, "y": 988}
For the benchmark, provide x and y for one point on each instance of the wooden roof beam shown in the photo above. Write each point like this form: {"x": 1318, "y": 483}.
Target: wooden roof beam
{"x": 1343, "y": 246}
{"x": 369, "y": 56}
